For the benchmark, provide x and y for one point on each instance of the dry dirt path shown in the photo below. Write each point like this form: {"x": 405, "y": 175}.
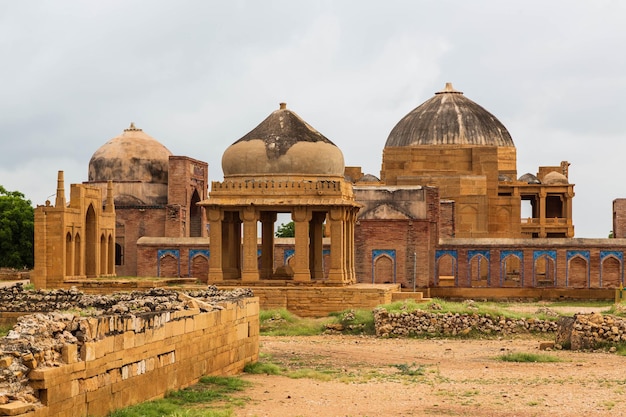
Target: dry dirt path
{"x": 458, "y": 378}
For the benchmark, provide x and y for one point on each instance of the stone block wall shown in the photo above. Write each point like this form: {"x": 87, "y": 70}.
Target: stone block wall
{"x": 126, "y": 360}
{"x": 320, "y": 301}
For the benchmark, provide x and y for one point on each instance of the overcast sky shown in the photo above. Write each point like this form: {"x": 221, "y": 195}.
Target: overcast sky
{"x": 198, "y": 75}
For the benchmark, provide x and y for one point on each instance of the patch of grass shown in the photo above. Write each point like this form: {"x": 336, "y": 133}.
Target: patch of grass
{"x": 4, "y": 330}
{"x": 266, "y": 368}
{"x": 528, "y": 357}
{"x": 319, "y": 375}
{"x": 355, "y": 321}
{"x": 620, "y": 349}
{"x": 410, "y": 370}
{"x": 185, "y": 402}
{"x": 283, "y": 323}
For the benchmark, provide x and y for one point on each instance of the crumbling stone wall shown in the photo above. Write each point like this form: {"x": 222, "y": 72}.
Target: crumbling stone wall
{"x": 107, "y": 352}
{"x": 424, "y": 322}
{"x": 590, "y": 331}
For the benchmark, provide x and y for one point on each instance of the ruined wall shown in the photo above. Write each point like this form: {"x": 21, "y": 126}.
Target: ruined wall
{"x": 452, "y": 324}
{"x": 591, "y": 331}
{"x": 79, "y": 366}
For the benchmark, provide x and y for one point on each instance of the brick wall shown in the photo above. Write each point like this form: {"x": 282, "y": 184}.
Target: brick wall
{"x": 131, "y": 224}
{"x": 619, "y": 218}
{"x": 136, "y": 360}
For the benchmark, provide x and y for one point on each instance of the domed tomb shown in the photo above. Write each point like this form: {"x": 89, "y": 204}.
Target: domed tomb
{"x": 138, "y": 166}
{"x": 283, "y": 144}
{"x": 449, "y": 118}
{"x": 452, "y": 143}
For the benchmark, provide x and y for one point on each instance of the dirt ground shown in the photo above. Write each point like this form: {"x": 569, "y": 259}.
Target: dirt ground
{"x": 408, "y": 377}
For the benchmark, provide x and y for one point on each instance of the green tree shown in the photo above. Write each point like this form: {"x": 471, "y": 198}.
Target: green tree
{"x": 17, "y": 219}
{"x": 286, "y": 230}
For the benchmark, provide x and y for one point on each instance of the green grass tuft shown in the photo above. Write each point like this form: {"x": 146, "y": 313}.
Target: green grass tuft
{"x": 263, "y": 368}
{"x": 283, "y": 323}
{"x": 528, "y": 357}
{"x": 182, "y": 403}
{"x": 410, "y": 370}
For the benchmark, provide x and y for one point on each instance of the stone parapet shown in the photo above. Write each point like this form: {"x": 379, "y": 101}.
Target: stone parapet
{"x": 114, "y": 361}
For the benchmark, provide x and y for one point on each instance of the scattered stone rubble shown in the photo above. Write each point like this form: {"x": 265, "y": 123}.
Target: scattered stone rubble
{"x": 420, "y": 322}
{"x": 62, "y": 319}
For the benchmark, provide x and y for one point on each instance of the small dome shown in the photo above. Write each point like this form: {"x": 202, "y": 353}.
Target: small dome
{"x": 504, "y": 178}
{"x": 131, "y": 156}
{"x": 529, "y": 178}
{"x": 369, "y": 178}
{"x": 554, "y": 178}
{"x": 449, "y": 118}
{"x": 283, "y": 144}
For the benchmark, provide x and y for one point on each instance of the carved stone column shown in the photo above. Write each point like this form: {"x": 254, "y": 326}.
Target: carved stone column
{"x": 250, "y": 265}
{"x": 542, "y": 213}
{"x": 216, "y": 217}
{"x": 316, "y": 245}
{"x": 337, "y": 273}
{"x": 301, "y": 217}
{"x": 231, "y": 245}
{"x": 268, "y": 219}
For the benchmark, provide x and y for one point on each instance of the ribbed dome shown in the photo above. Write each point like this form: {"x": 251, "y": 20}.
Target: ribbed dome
{"x": 449, "y": 118}
{"x": 283, "y": 144}
{"x": 131, "y": 156}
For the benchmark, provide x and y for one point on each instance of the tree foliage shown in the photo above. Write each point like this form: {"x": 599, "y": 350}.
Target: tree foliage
{"x": 17, "y": 234}
{"x": 286, "y": 230}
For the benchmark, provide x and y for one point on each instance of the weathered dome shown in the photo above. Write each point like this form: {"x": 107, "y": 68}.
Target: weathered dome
{"x": 529, "y": 178}
{"x": 449, "y": 118}
{"x": 283, "y": 144}
{"x": 131, "y": 156}
{"x": 554, "y": 178}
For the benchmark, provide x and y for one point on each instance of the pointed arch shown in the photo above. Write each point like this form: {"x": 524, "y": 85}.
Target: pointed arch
{"x": 195, "y": 215}
{"x": 577, "y": 272}
{"x": 110, "y": 256}
{"x": 384, "y": 270}
{"x": 103, "y": 255}
{"x": 511, "y": 270}
{"x": 78, "y": 256}
{"x": 168, "y": 264}
{"x": 199, "y": 264}
{"x": 611, "y": 272}
{"x": 544, "y": 268}
{"x": 69, "y": 271}
{"x": 479, "y": 274}
{"x": 468, "y": 219}
{"x": 446, "y": 268}
{"x": 91, "y": 242}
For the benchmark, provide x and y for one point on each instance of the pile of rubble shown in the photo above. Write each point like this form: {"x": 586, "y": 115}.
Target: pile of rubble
{"x": 420, "y": 322}
{"x": 62, "y": 319}
{"x": 591, "y": 331}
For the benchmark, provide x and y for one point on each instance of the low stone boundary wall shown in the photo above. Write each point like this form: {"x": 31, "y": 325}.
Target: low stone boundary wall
{"x": 423, "y": 322}
{"x": 88, "y": 366}
{"x": 320, "y": 301}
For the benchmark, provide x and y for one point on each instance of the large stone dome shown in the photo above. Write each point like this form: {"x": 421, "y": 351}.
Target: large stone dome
{"x": 131, "y": 156}
{"x": 283, "y": 144}
{"x": 449, "y": 118}
{"x": 137, "y": 164}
